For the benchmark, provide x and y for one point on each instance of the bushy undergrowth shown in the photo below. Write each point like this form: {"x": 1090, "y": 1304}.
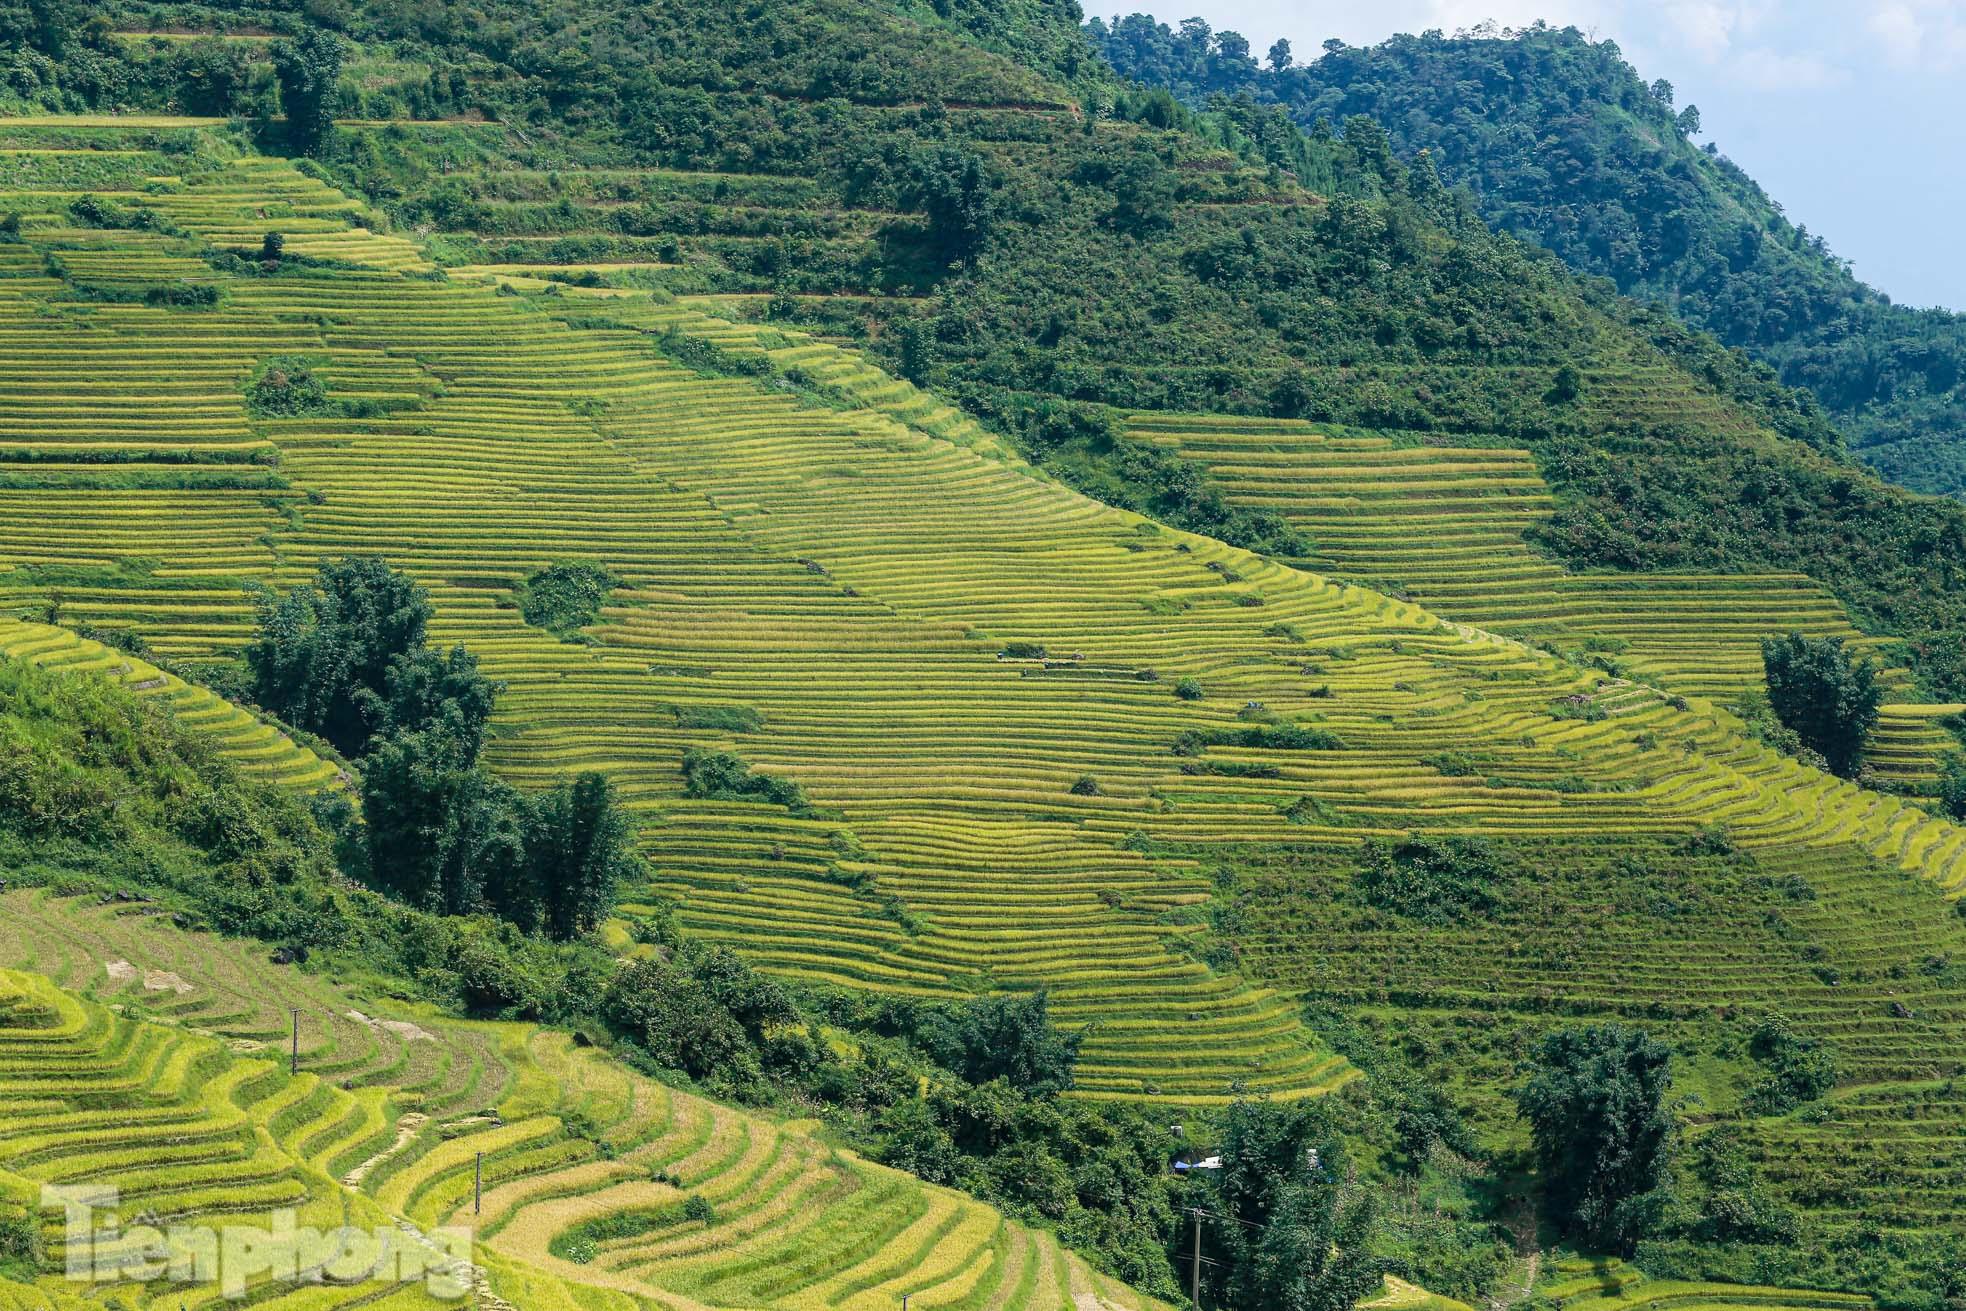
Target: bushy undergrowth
{"x": 564, "y": 598}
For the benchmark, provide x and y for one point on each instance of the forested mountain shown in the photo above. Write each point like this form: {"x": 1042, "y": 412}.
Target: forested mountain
{"x": 1563, "y": 144}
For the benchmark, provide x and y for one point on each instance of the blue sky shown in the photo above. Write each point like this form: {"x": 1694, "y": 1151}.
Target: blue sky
{"x": 1851, "y": 113}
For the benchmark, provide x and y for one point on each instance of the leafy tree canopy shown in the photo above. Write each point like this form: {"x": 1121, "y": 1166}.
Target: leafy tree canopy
{"x": 1829, "y": 698}
{"x": 1603, "y": 1133}
{"x": 324, "y": 652}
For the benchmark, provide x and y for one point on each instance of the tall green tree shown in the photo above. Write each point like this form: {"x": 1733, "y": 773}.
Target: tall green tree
{"x": 48, "y": 26}
{"x": 422, "y": 687}
{"x": 577, "y": 852}
{"x": 1296, "y": 1234}
{"x": 1603, "y": 1132}
{"x": 1008, "y": 1038}
{"x": 323, "y": 654}
{"x": 309, "y": 67}
{"x": 443, "y": 835}
{"x": 953, "y": 191}
{"x": 1829, "y": 699}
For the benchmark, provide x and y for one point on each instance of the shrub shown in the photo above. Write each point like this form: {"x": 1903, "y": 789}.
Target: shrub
{"x": 1800, "y": 1068}
{"x": 126, "y": 640}
{"x": 286, "y": 387}
{"x": 723, "y": 719}
{"x": 1437, "y": 881}
{"x": 182, "y": 295}
{"x": 697, "y": 1210}
{"x": 564, "y": 598}
{"x": 720, "y": 776}
{"x": 1188, "y": 689}
{"x": 20, "y": 1242}
{"x": 1085, "y": 786}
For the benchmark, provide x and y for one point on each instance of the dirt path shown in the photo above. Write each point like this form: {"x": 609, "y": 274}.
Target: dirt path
{"x": 406, "y": 1129}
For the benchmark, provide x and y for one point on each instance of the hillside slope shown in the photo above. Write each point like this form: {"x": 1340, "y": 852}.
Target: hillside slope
{"x": 973, "y": 197}
{"x": 383, "y": 1123}
{"x": 1563, "y": 144}
{"x": 1047, "y": 733}
{"x": 860, "y": 606}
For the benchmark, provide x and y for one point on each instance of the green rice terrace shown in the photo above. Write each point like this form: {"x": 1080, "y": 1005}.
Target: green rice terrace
{"x": 1040, "y": 742}
{"x": 1448, "y": 527}
{"x": 163, "y": 1068}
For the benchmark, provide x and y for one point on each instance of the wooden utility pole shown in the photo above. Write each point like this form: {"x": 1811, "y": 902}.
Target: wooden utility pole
{"x": 1194, "y": 1278}
{"x": 478, "y": 1186}
{"x": 293, "y": 1065}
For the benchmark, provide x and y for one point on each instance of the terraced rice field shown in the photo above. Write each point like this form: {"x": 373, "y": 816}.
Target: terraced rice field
{"x": 257, "y": 747}
{"x": 853, "y": 572}
{"x": 1690, "y": 943}
{"x": 1611, "y": 1285}
{"x": 1446, "y": 526}
{"x": 391, "y": 1110}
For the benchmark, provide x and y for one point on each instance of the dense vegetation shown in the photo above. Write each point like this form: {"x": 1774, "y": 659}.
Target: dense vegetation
{"x": 345, "y": 657}
{"x": 1563, "y": 144}
{"x": 1586, "y": 1002}
{"x": 1603, "y": 1131}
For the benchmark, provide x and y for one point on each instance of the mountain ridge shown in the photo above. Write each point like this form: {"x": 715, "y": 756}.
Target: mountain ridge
{"x": 1564, "y": 145}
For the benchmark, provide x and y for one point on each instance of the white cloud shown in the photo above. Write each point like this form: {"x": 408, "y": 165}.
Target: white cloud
{"x": 1920, "y": 34}
{"x": 1702, "y": 26}
{"x": 1898, "y": 30}
{"x": 1776, "y": 70}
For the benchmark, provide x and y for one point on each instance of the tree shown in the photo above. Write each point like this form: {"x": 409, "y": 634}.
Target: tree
{"x": 1298, "y": 1235}
{"x": 1279, "y": 56}
{"x": 917, "y": 350}
{"x": 1369, "y": 141}
{"x": 423, "y": 687}
{"x": 308, "y": 68}
{"x": 954, "y": 192}
{"x": 1829, "y": 700}
{"x": 48, "y": 26}
{"x": 1603, "y": 1134}
{"x": 442, "y": 835}
{"x": 1143, "y": 196}
{"x": 1952, "y": 787}
{"x": 1662, "y": 92}
{"x": 214, "y": 77}
{"x": 323, "y": 654}
{"x": 1008, "y": 1038}
{"x": 705, "y": 1012}
{"x": 1232, "y": 47}
{"x": 577, "y": 851}
{"x": 1689, "y": 120}
{"x": 1568, "y": 387}
{"x": 286, "y": 387}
